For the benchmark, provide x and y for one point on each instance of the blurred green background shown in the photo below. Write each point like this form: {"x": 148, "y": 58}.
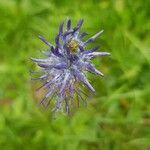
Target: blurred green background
{"x": 117, "y": 117}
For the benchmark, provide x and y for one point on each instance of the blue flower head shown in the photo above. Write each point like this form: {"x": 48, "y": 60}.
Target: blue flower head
{"x": 66, "y": 63}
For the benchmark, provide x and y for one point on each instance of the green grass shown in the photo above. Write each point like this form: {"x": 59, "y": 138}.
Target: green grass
{"x": 117, "y": 117}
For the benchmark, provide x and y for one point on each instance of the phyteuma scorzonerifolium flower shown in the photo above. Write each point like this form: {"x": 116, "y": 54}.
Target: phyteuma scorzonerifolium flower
{"x": 65, "y": 64}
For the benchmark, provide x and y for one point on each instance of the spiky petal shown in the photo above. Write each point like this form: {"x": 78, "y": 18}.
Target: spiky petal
{"x": 66, "y": 63}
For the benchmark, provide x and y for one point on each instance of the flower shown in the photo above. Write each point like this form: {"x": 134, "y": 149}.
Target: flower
{"x": 66, "y": 63}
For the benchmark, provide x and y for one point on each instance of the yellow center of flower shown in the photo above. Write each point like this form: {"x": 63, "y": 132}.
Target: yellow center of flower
{"x": 73, "y": 45}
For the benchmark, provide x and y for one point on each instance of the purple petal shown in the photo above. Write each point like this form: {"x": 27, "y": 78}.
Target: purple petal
{"x": 81, "y": 77}
{"x": 66, "y": 34}
{"x": 60, "y": 66}
{"x": 46, "y": 96}
{"x": 61, "y": 29}
{"x": 77, "y": 28}
{"x": 57, "y": 40}
{"x": 56, "y": 52}
{"x": 83, "y": 35}
{"x": 45, "y": 41}
{"x": 92, "y": 69}
{"x": 64, "y": 83}
{"x": 66, "y": 49}
{"x": 40, "y": 78}
{"x": 39, "y": 60}
{"x": 50, "y": 82}
{"x": 67, "y": 105}
{"x": 49, "y": 93}
{"x": 68, "y": 24}
{"x": 93, "y": 38}
{"x": 91, "y": 51}
{"x": 71, "y": 88}
{"x": 56, "y": 66}
{"x": 59, "y": 104}
{"x": 46, "y": 53}
{"x": 44, "y": 65}
{"x": 93, "y": 54}
{"x": 80, "y": 23}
